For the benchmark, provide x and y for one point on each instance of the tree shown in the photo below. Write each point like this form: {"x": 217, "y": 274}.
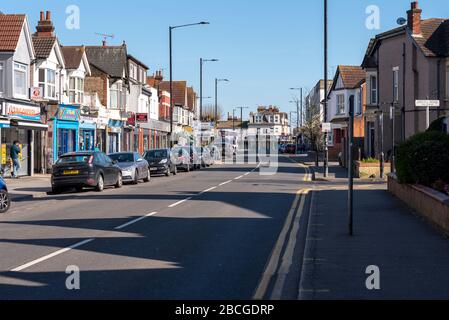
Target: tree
{"x": 312, "y": 131}
{"x": 209, "y": 113}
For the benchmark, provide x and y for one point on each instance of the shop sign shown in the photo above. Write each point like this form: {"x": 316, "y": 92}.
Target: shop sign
{"x": 24, "y": 112}
{"x": 140, "y": 117}
{"x": 4, "y": 155}
{"x": 68, "y": 114}
{"x": 36, "y": 93}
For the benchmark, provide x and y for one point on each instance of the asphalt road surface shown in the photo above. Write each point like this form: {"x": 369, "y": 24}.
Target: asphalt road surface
{"x": 226, "y": 232}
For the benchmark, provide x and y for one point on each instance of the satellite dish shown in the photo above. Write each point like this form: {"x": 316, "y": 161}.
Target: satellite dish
{"x": 401, "y": 21}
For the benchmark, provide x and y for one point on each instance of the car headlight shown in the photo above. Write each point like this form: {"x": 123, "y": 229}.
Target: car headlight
{"x": 164, "y": 161}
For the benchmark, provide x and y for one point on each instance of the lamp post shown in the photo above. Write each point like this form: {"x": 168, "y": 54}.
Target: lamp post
{"x": 326, "y": 149}
{"x": 216, "y": 97}
{"x": 202, "y": 61}
{"x": 170, "y": 31}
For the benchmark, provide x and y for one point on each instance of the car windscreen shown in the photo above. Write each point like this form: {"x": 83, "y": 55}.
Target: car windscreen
{"x": 156, "y": 154}
{"x": 122, "y": 157}
{"x": 74, "y": 159}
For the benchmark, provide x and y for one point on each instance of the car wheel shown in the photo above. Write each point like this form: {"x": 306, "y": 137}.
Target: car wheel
{"x": 136, "y": 177}
{"x": 56, "y": 190}
{"x": 100, "y": 183}
{"x": 5, "y": 201}
{"x": 119, "y": 183}
{"x": 168, "y": 173}
{"x": 148, "y": 178}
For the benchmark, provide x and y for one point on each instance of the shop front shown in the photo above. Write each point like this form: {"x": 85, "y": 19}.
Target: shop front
{"x": 155, "y": 134}
{"x": 22, "y": 123}
{"x": 66, "y": 128}
{"x": 87, "y": 129}
{"x": 115, "y": 130}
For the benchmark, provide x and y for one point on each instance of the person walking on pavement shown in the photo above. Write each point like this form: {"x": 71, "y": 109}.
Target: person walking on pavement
{"x": 15, "y": 152}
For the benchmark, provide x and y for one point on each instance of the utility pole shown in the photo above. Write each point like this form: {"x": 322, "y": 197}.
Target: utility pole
{"x": 351, "y": 166}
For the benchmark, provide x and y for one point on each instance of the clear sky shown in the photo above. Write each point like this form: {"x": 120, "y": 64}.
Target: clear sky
{"x": 264, "y": 46}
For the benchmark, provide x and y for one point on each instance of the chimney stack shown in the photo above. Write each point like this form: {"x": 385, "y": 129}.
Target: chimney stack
{"x": 44, "y": 26}
{"x": 104, "y": 43}
{"x": 414, "y": 18}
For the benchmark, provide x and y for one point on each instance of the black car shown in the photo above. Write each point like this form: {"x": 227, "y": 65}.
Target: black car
{"x": 85, "y": 169}
{"x": 161, "y": 161}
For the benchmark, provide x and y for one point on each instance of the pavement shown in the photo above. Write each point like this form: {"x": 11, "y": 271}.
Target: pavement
{"x": 28, "y": 187}
{"x": 410, "y": 256}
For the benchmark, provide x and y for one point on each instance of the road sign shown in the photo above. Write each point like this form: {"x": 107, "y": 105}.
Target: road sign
{"x": 326, "y": 127}
{"x": 427, "y": 103}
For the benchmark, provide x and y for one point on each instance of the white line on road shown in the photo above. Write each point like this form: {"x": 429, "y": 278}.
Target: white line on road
{"x": 207, "y": 190}
{"x": 179, "y": 202}
{"x": 135, "y": 221}
{"x": 224, "y": 183}
{"x": 247, "y": 174}
{"x": 238, "y": 178}
{"x": 52, "y": 255}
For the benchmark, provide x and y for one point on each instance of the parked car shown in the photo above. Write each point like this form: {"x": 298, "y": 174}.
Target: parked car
{"x": 134, "y": 166}
{"x": 88, "y": 169}
{"x": 182, "y": 159}
{"x": 205, "y": 156}
{"x": 225, "y": 149}
{"x": 282, "y": 148}
{"x": 215, "y": 153}
{"x": 290, "y": 148}
{"x": 161, "y": 161}
{"x": 195, "y": 161}
{"x": 5, "y": 200}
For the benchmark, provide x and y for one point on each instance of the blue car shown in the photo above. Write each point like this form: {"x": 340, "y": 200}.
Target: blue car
{"x": 5, "y": 201}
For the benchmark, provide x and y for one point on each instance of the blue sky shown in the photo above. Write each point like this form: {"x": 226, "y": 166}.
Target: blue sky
{"x": 264, "y": 47}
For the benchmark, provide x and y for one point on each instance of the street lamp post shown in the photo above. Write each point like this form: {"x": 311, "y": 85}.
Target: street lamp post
{"x": 170, "y": 29}
{"x": 202, "y": 61}
{"x": 216, "y": 97}
{"x": 326, "y": 149}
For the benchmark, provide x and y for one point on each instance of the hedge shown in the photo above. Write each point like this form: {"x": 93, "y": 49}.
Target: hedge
{"x": 423, "y": 159}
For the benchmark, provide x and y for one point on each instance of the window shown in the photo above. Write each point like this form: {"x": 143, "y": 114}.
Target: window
{"x": 114, "y": 96}
{"x": 1, "y": 76}
{"x": 359, "y": 103}
{"x": 20, "y": 79}
{"x": 76, "y": 90}
{"x": 277, "y": 119}
{"x": 132, "y": 71}
{"x": 396, "y": 84}
{"x": 447, "y": 82}
{"x": 373, "y": 89}
{"x": 47, "y": 81}
{"x": 340, "y": 104}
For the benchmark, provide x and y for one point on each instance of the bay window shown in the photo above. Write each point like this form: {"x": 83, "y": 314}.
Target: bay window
{"x": 76, "y": 90}
{"x": 20, "y": 79}
{"x": 47, "y": 81}
{"x": 114, "y": 96}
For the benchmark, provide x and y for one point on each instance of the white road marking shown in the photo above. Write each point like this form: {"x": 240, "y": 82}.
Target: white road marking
{"x": 52, "y": 255}
{"x": 179, "y": 202}
{"x": 224, "y": 183}
{"x": 238, "y": 178}
{"x": 247, "y": 174}
{"x": 208, "y": 190}
{"x": 135, "y": 221}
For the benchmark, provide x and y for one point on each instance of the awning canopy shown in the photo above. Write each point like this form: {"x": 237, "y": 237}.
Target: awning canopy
{"x": 30, "y": 125}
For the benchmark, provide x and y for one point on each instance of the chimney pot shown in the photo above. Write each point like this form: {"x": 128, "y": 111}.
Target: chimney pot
{"x": 414, "y": 18}
{"x": 42, "y": 16}
{"x": 104, "y": 43}
{"x": 48, "y": 16}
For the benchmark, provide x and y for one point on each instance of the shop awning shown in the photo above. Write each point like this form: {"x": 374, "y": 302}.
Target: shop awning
{"x": 5, "y": 123}
{"x": 30, "y": 125}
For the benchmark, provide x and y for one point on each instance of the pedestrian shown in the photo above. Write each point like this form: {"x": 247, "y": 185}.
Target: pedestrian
{"x": 15, "y": 152}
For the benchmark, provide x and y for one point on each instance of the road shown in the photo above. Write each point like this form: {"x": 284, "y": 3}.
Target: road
{"x": 226, "y": 232}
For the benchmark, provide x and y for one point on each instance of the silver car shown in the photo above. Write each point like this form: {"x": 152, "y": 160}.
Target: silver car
{"x": 134, "y": 166}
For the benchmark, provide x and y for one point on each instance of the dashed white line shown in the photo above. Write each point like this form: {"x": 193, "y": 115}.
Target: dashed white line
{"x": 52, "y": 255}
{"x": 247, "y": 174}
{"x": 179, "y": 202}
{"x": 238, "y": 178}
{"x": 135, "y": 221}
{"x": 224, "y": 183}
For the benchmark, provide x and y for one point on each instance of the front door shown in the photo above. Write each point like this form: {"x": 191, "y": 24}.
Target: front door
{"x": 88, "y": 140}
